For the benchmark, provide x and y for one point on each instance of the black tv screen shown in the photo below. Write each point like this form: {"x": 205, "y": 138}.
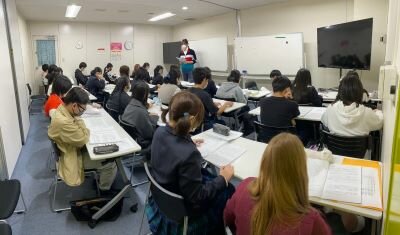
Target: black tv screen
{"x": 171, "y": 51}
{"x": 346, "y": 46}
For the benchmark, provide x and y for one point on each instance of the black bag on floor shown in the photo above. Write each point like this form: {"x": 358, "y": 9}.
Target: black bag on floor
{"x": 83, "y": 210}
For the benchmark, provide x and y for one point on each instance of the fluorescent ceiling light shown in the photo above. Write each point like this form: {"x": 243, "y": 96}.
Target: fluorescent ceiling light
{"x": 162, "y": 16}
{"x": 185, "y": 8}
{"x": 72, "y": 11}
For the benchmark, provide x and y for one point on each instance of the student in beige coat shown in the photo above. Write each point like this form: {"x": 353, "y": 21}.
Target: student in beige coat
{"x": 70, "y": 134}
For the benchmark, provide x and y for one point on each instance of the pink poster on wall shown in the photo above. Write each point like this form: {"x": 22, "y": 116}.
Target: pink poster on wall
{"x": 116, "y": 46}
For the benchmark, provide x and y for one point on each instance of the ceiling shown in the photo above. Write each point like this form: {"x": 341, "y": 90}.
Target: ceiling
{"x": 132, "y": 11}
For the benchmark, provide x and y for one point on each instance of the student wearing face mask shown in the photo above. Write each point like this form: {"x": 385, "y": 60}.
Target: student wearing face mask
{"x": 110, "y": 78}
{"x": 61, "y": 86}
{"x": 81, "y": 79}
{"x": 96, "y": 84}
{"x": 187, "y": 59}
{"x": 69, "y": 132}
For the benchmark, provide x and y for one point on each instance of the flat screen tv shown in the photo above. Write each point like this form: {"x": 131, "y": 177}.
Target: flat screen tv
{"x": 171, "y": 51}
{"x": 346, "y": 46}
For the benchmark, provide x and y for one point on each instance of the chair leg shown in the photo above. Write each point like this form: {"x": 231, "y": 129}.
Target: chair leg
{"x": 185, "y": 225}
{"x": 147, "y": 199}
{"x": 23, "y": 202}
{"x": 54, "y": 199}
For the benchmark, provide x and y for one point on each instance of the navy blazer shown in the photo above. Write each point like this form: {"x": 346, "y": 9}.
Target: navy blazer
{"x": 176, "y": 165}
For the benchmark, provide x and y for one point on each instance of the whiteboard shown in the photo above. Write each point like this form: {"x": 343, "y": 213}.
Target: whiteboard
{"x": 212, "y": 52}
{"x": 260, "y": 55}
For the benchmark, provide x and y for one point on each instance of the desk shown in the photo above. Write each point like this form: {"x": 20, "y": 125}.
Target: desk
{"x": 128, "y": 146}
{"x": 248, "y": 165}
{"x": 234, "y": 107}
{"x": 156, "y": 109}
{"x": 330, "y": 96}
{"x": 109, "y": 88}
{"x": 255, "y": 95}
{"x": 313, "y": 114}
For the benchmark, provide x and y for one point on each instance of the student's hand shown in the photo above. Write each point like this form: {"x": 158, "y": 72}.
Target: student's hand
{"x": 198, "y": 142}
{"x": 227, "y": 172}
{"x": 149, "y": 105}
{"x": 218, "y": 104}
{"x": 228, "y": 104}
{"x": 158, "y": 86}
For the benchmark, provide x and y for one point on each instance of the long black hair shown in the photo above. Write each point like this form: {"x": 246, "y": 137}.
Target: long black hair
{"x": 121, "y": 84}
{"x": 173, "y": 77}
{"x": 301, "y": 84}
{"x": 234, "y": 76}
{"x": 140, "y": 92}
{"x": 351, "y": 90}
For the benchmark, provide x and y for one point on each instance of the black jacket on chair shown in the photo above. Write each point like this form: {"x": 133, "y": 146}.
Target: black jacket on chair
{"x": 176, "y": 165}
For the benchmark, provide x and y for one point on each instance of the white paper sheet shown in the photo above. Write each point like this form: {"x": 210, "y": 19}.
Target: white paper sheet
{"x": 210, "y": 145}
{"x": 104, "y": 137}
{"x": 304, "y": 110}
{"x": 225, "y": 155}
{"x": 371, "y": 195}
{"x": 316, "y": 113}
{"x": 343, "y": 183}
{"x": 317, "y": 171}
{"x": 95, "y": 124}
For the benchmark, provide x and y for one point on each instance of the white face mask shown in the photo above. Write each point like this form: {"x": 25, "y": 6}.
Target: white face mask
{"x": 183, "y": 47}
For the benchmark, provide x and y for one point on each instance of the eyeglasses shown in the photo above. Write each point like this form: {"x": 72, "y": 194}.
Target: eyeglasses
{"x": 81, "y": 109}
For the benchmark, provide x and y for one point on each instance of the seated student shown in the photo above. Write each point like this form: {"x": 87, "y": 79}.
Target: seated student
{"x": 45, "y": 70}
{"x": 274, "y": 74}
{"x": 212, "y": 110}
{"x": 347, "y": 116}
{"x": 177, "y": 166}
{"x": 81, "y": 79}
{"x": 211, "y": 87}
{"x": 123, "y": 72}
{"x": 136, "y": 67}
{"x": 137, "y": 115}
{"x": 70, "y": 134}
{"x": 258, "y": 205}
{"x": 146, "y": 66}
{"x": 277, "y": 110}
{"x": 170, "y": 86}
{"x": 141, "y": 76}
{"x": 96, "y": 83}
{"x": 366, "y": 98}
{"x": 61, "y": 86}
{"x": 158, "y": 77}
{"x": 52, "y": 73}
{"x": 303, "y": 91}
{"x": 119, "y": 98}
{"x": 232, "y": 90}
{"x": 110, "y": 78}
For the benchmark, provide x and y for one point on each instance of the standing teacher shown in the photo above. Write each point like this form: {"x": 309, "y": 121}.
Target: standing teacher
{"x": 187, "y": 59}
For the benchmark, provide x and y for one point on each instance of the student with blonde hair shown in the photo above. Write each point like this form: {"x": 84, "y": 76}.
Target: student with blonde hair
{"x": 277, "y": 201}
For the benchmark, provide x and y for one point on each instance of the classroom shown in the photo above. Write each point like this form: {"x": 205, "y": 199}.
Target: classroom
{"x": 211, "y": 117}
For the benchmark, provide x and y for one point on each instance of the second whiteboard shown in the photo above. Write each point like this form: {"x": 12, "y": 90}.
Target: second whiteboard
{"x": 260, "y": 55}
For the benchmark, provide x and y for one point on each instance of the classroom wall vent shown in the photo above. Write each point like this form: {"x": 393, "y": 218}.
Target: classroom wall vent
{"x": 189, "y": 19}
{"x": 123, "y": 11}
{"x": 100, "y": 10}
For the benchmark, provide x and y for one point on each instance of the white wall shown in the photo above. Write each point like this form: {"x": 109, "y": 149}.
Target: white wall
{"x": 26, "y": 47}
{"x": 298, "y": 16}
{"x": 9, "y": 118}
{"x": 23, "y": 94}
{"x": 147, "y": 43}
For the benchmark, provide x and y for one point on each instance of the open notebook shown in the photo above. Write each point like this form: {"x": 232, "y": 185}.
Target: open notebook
{"x": 351, "y": 183}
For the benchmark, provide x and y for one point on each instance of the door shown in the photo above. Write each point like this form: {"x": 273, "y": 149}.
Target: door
{"x": 44, "y": 52}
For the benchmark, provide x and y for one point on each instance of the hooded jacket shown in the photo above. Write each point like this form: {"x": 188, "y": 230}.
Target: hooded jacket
{"x": 351, "y": 120}
{"x": 230, "y": 90}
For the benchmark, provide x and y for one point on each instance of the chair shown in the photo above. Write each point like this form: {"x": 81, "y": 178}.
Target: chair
{"x": 57, "y": 179}
{"x": 251, "y": 85}
{"x": 11, "y": 191}
{"x": 5, "y": 229}
{"x": 170, "y": 204}
{"x": 33, "y": 97}
{"x": 113, "y": 113}
{"x": 355, "y": 146}
{"x": 265, "y": 133}
{"x": 145, "y": 152}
